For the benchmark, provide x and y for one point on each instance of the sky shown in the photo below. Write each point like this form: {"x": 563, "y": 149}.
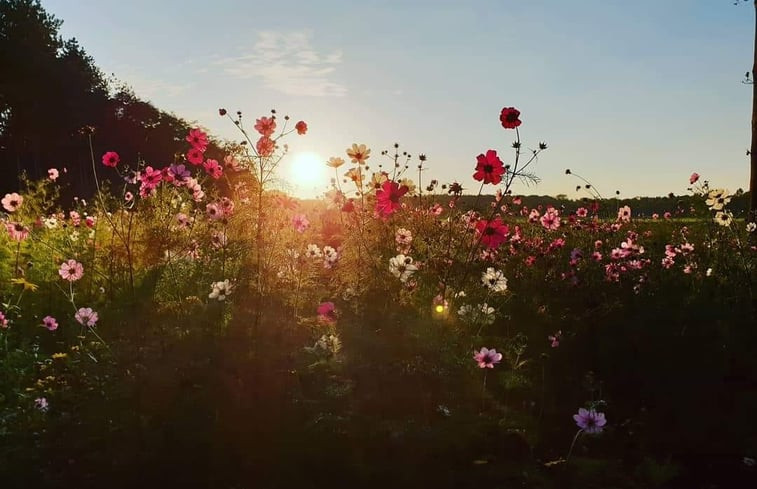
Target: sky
{"x": 633, "y": 96}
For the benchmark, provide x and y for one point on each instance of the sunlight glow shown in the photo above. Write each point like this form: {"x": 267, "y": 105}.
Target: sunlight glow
{"x": 307, "y": 170}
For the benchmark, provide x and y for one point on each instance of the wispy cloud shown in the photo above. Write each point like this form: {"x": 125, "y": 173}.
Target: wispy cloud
{"x": 288, "y": 63}
{"x": 149, "y": 88}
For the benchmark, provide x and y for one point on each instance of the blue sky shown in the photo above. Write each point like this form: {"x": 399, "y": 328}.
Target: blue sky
{"x": 633, "y": 95}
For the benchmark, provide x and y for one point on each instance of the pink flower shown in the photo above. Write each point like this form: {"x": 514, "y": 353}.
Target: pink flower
{"x": 388, "y": 198}
{"x": 493, "y": 233}
{"x": 195, "y": 156}
{"x": 52, "y": 174}
{"x": 301, "y": 127}
{"x": 213, "y": 169}
{"x": 3, "y": 321}
{"x": 71, "y": 270}
{"x": 486, "y": 358}
{"x": 300, "y": 223}
{"x": 86, "y": 317}
{"x": 624, "y": 214}
{"x": 551, "y": 219}
{"x": 50, "y": 323}
{"x": 12, "y": 202}
{"x": 693, "y": 178}
{"x": 111, "y": 159}
{"x": 41, "y": 404}
{"x": 327, "y": 312}
{"x": 150, "y": 178}
{"x": 590, "y": 421}
{"x": 198, "y": 139}
{"x": 17, "y": 231}
{"x": 265, "y": 126}
{"x": 213, "y": 211}
{"x": 128, "y": 196}
{"x": 555, "y": 339}
{"x": 265, "y": 146}
{"x": 582, "y": 212}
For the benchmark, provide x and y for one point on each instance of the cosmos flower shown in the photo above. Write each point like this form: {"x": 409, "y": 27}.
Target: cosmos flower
{"x": 111, "y": 159}
{"x": 487, "y": 358}
{"x": 86, "y": 317}
{"x": 590, "y": 421}
{"x": 489, "y": 168}
{"x": 358, "y": 153}
{"x": 509, "y": 117}
{"x": 12, "y": 202}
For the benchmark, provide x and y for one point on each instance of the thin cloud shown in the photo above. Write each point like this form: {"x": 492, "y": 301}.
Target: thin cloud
{"x": 288, "y": 63}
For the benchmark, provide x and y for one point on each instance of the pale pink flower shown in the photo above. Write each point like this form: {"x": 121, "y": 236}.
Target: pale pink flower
{"x": 300, "y": 223}
{"x": 86, "y": 316}
{"x": 17, "y": 231}
{"x": 624, "y": 214}
{"x": 213, "y": 211}
{"x": 12, "y": 202}
{"x": 53, "y": 174}
{"x": 486, "y": 358}
{"x": 50, "y": 323}
{"x": 551, "y": 219}
{"x": 71, "y": 270}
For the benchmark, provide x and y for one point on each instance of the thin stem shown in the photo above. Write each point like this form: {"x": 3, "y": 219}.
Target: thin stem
{"x": 575, "y": 438}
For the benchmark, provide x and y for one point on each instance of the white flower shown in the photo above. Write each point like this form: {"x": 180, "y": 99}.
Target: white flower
{"x": 708, "y": 272}
{"x": 724, "y": 218}
{"x": 50, "y": 222}
{"x": 313, "y": 251}
{"x": 221, "y": 290}
{"x": 402, "y": 267}
{"x": 750, "y": 227}
{"x": 329, "y": 344}
{"x": 480, "y": 313}
{"x": 330, "y": 256}
{"x": 717, "y": 199}
{"x": 494, "y": 280}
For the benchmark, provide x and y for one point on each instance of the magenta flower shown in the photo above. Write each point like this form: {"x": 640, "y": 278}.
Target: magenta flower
{"x": 50, "y": 323}
{"x": 198, "y": 139}
{"x": 111, "y": 159}
{"x": 486, "y": 358}
{"x": 3, "y": 321}
{"x": 86, "y": 316}
{"x": 590, "y": 421}
{"x": 71, "y": 270}
{"x": 388, "y": 197}
{"x": 693, "y": 178}
{"x": 327, "y": 312}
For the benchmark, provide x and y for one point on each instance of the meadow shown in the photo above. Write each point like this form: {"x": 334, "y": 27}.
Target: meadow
{"x": 193, "y": 326}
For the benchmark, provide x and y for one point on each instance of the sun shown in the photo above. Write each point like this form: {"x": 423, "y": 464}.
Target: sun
{"x": 307, "y": 170}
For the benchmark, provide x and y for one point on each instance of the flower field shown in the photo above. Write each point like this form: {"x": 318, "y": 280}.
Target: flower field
{"x": 190, "y": 325}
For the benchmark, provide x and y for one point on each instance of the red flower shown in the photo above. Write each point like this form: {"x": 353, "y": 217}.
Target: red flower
{"x": 301, "y": 127}
{"x": 388, "y": 197}
{"x": 265, "y": 146}
{"x": 111, "y": 159}
{"x": 489, "y": 168}
{"x": 493, "y": 233}
{"x": 265, "y": 126}
{"x": 509, "y": 117}
{"x": 194, "y": 156}
{"x": 198, "y": 139}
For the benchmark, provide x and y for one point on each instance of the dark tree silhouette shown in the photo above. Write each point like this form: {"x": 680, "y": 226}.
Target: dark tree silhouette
{"x": 753, "y": 148}
{"x": 52, "y": 93}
